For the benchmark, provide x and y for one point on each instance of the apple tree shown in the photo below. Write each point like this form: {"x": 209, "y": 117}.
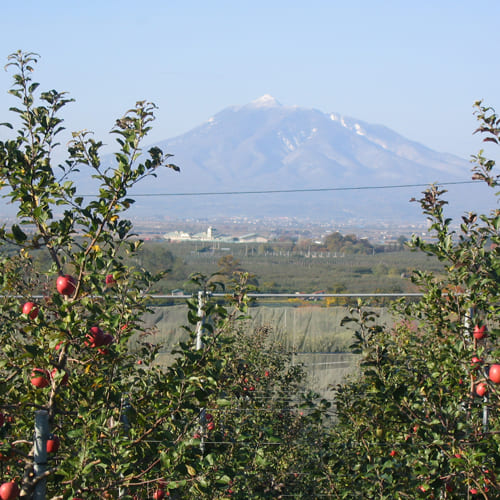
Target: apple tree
{"x": 64, "y": 329}
{"x": 422, "y": 418}
{"x": 82, "y": 414}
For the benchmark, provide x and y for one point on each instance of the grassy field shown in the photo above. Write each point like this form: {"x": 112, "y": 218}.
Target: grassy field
{"x": 281, "y": 270}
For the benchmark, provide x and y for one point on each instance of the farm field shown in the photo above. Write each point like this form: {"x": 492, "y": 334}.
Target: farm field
{"x": 284, "y": 271}
{"x": 279, "y": 271}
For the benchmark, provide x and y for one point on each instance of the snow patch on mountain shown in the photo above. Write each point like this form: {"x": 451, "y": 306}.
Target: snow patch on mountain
{"x": 265, "y": 101}
{"x": 288, "y": 144}
{"x": 359, "y": 130}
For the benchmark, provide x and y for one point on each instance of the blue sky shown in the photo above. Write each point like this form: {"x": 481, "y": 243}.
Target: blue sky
{"x": 416, "y": 67}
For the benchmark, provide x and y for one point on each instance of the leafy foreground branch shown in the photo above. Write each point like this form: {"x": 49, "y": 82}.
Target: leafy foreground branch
{"x": 422, "y": 418}
{"x": 225, "y": 420}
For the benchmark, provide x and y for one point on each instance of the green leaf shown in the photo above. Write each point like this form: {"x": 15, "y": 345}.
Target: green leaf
{"x": 225, "y": 479}
{"x": 224, "y": 402}
{"x": 18, "y": 233}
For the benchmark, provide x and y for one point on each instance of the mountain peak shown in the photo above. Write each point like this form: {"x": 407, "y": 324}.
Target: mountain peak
{"x": 265, "y": 101}
{"x": 263, "y": 145}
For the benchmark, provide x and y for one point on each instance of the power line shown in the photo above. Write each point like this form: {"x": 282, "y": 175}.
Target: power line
{"x": 304, "y": 190}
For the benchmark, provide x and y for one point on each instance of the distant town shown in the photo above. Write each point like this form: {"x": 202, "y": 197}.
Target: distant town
{"x": 211, "y": 234}
{"x": 263, "y": 230}
{"x": 240, "y": 229}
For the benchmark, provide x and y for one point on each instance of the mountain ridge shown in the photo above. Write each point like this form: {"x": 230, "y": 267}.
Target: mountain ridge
{"x": 267, "y": 146}
{"x": 264, "y": 145}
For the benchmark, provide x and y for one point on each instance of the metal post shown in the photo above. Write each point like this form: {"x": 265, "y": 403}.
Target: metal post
{"x": 199, "y": 345}
{"x": 203, "y": 422}
{"x": 40, "y": 453}
{"x": 201, "y": 315}
{"x": 468, "y": 317}
{"x": 485, "y": 414}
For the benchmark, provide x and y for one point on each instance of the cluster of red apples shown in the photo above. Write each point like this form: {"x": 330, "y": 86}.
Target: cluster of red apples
{"x": 493, "y": 371}
{"x": 96, "y": 338}
{"x": 41, "y": 378}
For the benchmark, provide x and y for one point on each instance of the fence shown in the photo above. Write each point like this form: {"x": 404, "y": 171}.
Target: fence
{"x": 308, "y": 325}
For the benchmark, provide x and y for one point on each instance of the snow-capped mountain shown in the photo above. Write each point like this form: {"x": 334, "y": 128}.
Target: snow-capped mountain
{"x": 326, "y": 162}
{"x": 264, "y": 145}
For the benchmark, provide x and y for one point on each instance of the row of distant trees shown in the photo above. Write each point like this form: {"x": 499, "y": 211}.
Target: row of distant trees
{"x": 161, "y": 255}
{"x": 335, "y": 242}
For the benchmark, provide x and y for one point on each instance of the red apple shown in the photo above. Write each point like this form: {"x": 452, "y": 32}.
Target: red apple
{"x": 64, "y": 379}
{"x": 479, "y": 332}
{"x": 475, "y": 362}
{"x": 494, "y": 373}
{"x": 9, "y": 491}
{"x": 110, "y": 280}
{"x": 66, "y": 284}
{"x": 210, "y": 426}
{"x": 159, "y": 494}
{"x": 266, "y": 373}
{"x": 481, "y": 389}
{"x": 40, "y": 378}
{"x": 30, "y": 309}
{"x": 95, "y": 337}
{"x": 53, "y": 444}
{"x": 393, "y": 453}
